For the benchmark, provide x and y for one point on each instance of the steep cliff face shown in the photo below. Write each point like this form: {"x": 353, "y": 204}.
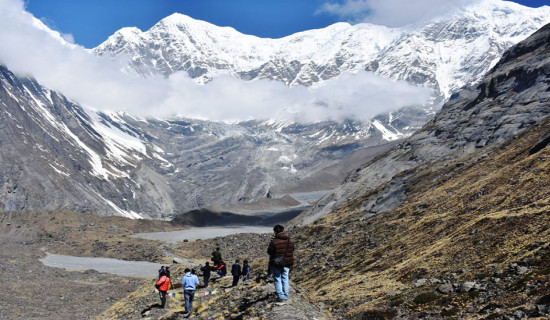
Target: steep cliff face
{"x": 56, "y": 156}
{"x": 511, "y": 97}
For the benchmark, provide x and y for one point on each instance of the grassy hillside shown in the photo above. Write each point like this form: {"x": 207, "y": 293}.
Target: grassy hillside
{"x": 472, "y": 240}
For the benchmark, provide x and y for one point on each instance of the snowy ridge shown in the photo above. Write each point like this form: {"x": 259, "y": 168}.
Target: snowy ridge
{"x": 445, "y": 54}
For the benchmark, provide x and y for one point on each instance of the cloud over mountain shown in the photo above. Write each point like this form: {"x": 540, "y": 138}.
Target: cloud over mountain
{"x": 391, "y": 13}
{"x": 31, "y": 48}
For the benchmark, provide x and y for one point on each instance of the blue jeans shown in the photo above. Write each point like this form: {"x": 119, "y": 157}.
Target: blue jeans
{"x": 189, "y": 295}
{"x": 280, "y": 277}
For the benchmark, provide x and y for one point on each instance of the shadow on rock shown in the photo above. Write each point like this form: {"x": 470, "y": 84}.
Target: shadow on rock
{"x": 146, "y": 311}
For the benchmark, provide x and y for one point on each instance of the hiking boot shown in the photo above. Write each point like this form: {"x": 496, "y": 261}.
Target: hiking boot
{"x": 280, "y": 302}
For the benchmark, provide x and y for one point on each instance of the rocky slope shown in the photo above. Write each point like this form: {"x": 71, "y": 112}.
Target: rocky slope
{"x": 461, "y": 230}
{"x": 30, "y": 290}
{"x": 57, "y": 155}
{"x": 511, "y": 97}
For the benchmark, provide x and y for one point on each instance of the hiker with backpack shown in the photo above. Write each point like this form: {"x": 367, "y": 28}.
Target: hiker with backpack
{"x": 189, "y": 284}
{"x": 281, "y": 260}
{"x": 246, "y": 270}
{"x": 162, "y": 284}
{"x": 216, "y": 257}
{"x": 206, "y": 273}
{"x": 236, "y": 272}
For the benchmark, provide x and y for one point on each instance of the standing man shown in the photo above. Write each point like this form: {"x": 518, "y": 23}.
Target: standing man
{"x": 167, "y": 271}
{"x": 189, "y": 284}
{"x": 206, "y": 273}
{"x": 281, "y": 260}
{"x": 236, "y": 272}
{"x": 217, "y": 257}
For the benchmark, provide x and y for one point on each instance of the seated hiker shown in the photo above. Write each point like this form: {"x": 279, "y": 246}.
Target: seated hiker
{"x": 236, "y": 272}
{"x": 162, "y": 285}
{"x": 222, "y": 270}
{"x": 189, "y": 284}
{"x": 246, "y": 270}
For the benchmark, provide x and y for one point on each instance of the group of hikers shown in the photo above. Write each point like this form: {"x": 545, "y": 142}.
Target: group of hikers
{"x": 221, "y": 269}
{"x": 281, "y": 261}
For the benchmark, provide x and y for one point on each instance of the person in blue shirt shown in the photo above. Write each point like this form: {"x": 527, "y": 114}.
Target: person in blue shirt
{"x": 189, "y": 283}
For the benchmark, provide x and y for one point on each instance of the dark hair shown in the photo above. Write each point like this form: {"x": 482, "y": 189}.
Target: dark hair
{"x": 237, "y": 260}
{"x": 278, "y": 228}
{"x": 193, "y": 271}
{"x": 218, "y": 248}
{"x": 207, "y": 263}
{"x": 167, "y": 267}
{"x": 162, "y": 267}
{"x": 187, "y": 270}
{"x": 245, "y": 261}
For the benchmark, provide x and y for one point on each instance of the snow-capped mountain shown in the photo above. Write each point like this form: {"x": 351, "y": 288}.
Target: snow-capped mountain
{"x": 446, "y": 54}
{"x": 56, "y": 155}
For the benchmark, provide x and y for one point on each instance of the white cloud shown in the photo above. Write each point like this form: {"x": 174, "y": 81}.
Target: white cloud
{"x": 30, "y": 48}
{"x": 391, "y": 13}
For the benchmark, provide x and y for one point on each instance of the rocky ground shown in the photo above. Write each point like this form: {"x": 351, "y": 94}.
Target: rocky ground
{"x": 253, "y": 299}
{"x": 34, "y": 291}
{"x": 31, "y": 290}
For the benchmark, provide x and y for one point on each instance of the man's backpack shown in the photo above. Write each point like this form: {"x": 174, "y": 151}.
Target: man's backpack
{"x": 280, "y": 262}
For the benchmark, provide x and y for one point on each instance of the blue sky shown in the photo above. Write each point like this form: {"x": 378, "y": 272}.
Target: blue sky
{"x": 90, "y": 22}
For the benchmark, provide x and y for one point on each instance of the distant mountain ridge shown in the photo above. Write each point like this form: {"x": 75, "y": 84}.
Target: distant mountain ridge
{"x": 56, "y": 155}
{"x": 446, "y": 54}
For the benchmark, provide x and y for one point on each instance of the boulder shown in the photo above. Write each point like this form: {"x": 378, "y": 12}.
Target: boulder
{"x": 445, "y": 288}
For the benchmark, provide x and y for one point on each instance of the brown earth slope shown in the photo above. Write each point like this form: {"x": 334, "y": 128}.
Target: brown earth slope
{"x": 472, "y": 240}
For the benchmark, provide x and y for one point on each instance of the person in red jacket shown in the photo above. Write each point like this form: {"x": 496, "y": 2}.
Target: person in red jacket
{"x": 163, "y": 284}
